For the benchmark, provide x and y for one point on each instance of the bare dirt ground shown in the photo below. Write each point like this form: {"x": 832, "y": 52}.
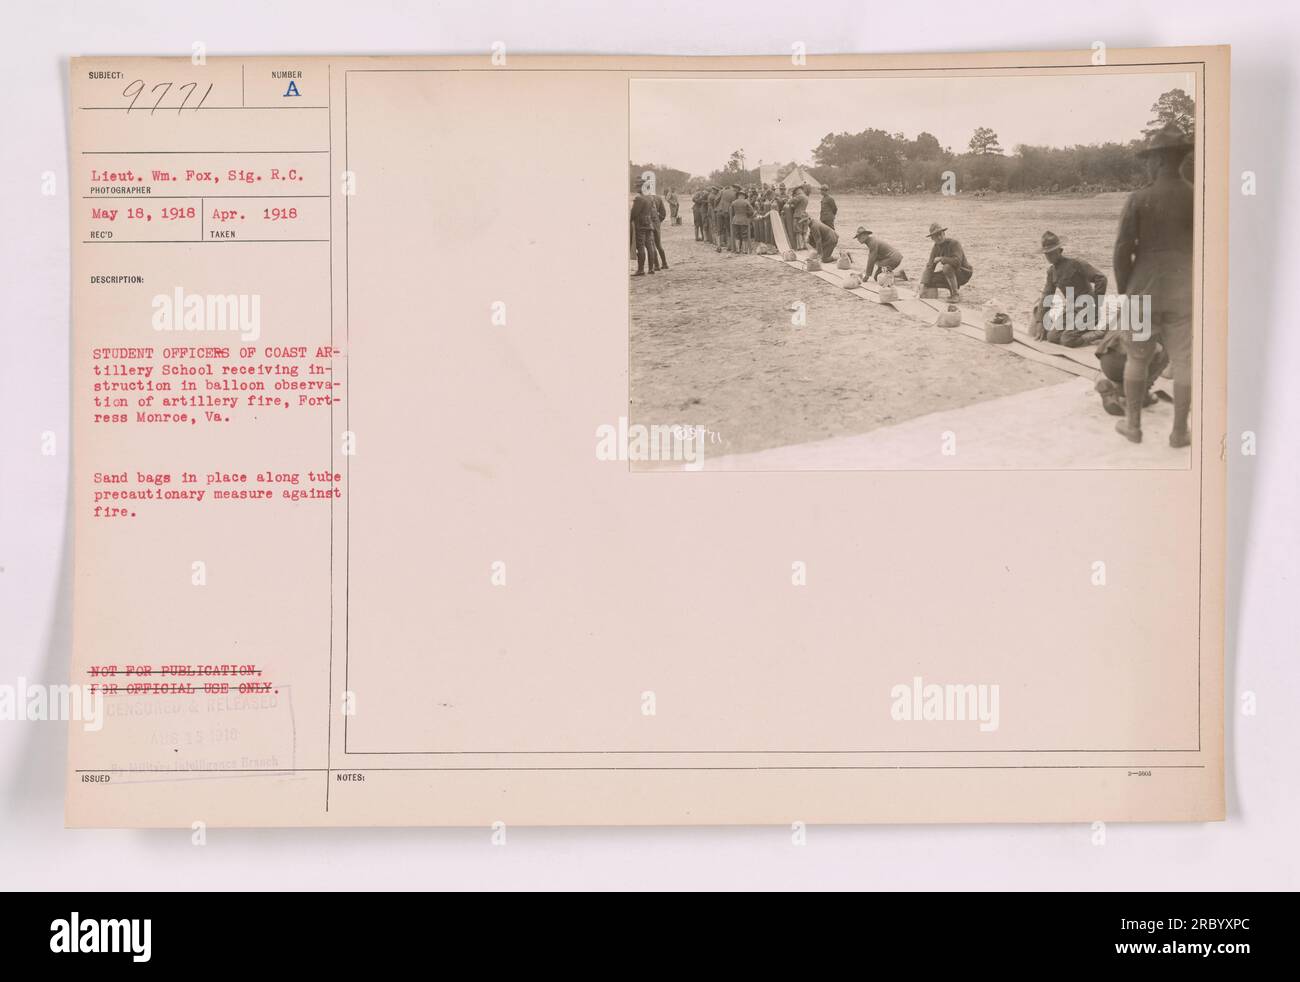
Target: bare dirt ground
{"x": 712, "y": 344}
{"x": 1001, "y": 235}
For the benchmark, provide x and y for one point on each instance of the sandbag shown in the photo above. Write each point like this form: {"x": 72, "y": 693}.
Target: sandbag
{"x": 949, "y": 318}
{"x": 887, "y": 292}
{"x": 813, "y": 264}
{"x": 997, "y": 329}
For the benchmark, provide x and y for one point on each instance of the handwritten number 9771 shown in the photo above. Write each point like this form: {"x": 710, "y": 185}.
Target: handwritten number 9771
{"x": 137, "y": 88}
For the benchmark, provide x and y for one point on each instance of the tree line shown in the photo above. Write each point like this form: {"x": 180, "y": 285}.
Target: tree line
{"x": 874, "y": 160}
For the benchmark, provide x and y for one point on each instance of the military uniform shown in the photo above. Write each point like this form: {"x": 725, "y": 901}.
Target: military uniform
{"x": 880, "y": 255}
{"x": 948, "y": 252}
{"x": 722, "y": 217}
{"x": 742, "y": 216}
{"x": 1153, "y": 258}
{"x": 821, "y": 237}
{"x": 829, "y": 209}
{"x": 1072, "y": 277}
{"x": 643, "y": 230}
{"x": 798, "y": 211}
{"x": 660, "y": 213}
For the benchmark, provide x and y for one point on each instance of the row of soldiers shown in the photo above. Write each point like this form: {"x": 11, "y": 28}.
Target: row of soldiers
{"x": 736, "y": 217}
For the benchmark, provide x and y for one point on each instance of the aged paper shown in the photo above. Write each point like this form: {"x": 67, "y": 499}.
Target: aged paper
{"x": 370, "y": 524}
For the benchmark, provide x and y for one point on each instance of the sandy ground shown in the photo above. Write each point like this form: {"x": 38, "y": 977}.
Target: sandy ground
{"x": 989, "y": 436}
{"x": 1001, "y": 235}
{"x": 712, "y": 344}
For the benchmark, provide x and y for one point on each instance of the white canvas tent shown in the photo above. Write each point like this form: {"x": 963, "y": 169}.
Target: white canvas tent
{"x": 800, "y": 176}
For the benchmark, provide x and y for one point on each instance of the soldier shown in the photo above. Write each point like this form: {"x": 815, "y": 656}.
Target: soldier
{"x": 1083, "y": 279}
{"x": 798, "y": 211}
{"x": 697, "y": 201}
{"x": 1111, "y": 359}
{"x": 881, "y": 255}
{"x": 822, "y": 238}
{"x": 742, "y": 217}
{"x": 672, "y": 206}
{"x": 829, "y": 208}
{"x": 722, "y": 217}
{"x": 947, "y": 264}
{"x": 1153, "y": 258}
{"x": 710, "y": 224}
{"x": 643, "y": 231}
{"x": 787, "y": 222}
{"x": 660, "y": 213}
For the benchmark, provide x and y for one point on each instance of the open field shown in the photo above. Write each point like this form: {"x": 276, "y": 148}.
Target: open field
{"x": 711, "y": 341}
{"x": 711, "y": 344}
{"x": 1000, "y": 234}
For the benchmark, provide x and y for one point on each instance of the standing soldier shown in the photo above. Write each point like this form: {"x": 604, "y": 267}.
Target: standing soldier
{"x": 696, "y": 203}
{"x": 742, "y": 217}
{"x": 829, "y": 208}
{"x": 787, "y": 221}
{"x": 643, "y": 231}
{"x": 660, "y": 213}
{"x": 1153, "y": 258}
{"x": 798, "y": 211}
{"x": 722, "y": 217}
{"x": 672, "y": 206}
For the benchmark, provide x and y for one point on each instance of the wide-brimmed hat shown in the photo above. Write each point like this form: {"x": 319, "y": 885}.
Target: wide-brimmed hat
{"x": 1051, "y": 242}
{"x": 862, "y": 230}
{"x": 1168, "y": 137}
{"x": 936, "y": 229}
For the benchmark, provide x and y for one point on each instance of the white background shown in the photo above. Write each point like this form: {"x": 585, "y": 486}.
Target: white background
{"x": 1254, "y": 849}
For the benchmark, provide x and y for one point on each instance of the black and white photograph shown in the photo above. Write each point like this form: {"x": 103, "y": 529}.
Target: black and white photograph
{"x": 978, "y": 272}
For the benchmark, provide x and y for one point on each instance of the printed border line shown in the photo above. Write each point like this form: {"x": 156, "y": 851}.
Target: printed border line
{"x": 631, "y": 76}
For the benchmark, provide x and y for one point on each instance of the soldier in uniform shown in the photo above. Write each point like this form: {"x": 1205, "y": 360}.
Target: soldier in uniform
{"x": 660, "y": 213}
{"x": 787, "y": 221}
{"x": 722, "y": 217}
{"x": 1153, "y": 257}
{"x": 822, "y": 238}
{"x": 1111, "y": 360}
{"x": 829, "y": 208}
{"x": 742, "y": 217}
{"x": 881, "y": 255}
{"x": 798, "y": 211}
{"x": 947, "y": 264}
{"x": 1067, "y": 274}
{"x": 643, "y": 232}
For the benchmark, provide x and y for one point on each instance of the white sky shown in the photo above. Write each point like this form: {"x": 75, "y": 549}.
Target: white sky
{"x": 695, "y": 124}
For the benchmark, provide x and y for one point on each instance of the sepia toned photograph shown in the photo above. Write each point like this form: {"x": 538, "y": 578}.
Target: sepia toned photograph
{"x": 991, "y": 271}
